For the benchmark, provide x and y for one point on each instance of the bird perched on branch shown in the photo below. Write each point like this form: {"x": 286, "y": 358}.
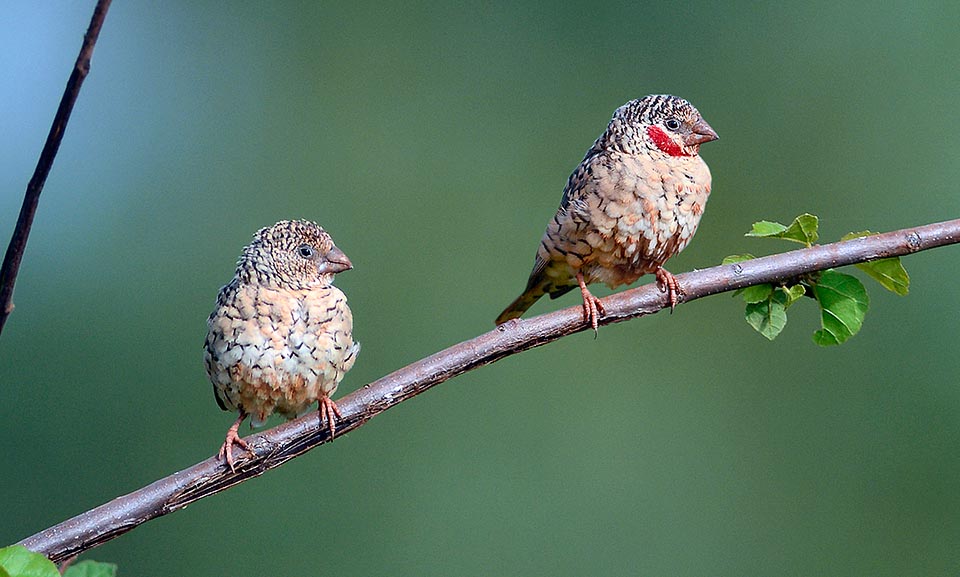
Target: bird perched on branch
{"x": 281, "y": 335}
{"x": 633, "y": 202}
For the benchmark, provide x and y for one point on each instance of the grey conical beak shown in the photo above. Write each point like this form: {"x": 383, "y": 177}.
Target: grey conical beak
{"x": 336, "y": 261}
{"x": 700, "y": 132}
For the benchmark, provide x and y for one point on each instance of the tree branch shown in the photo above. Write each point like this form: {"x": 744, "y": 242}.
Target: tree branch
{"x": 280, "y": 444}
{"x": 14, "y": 254}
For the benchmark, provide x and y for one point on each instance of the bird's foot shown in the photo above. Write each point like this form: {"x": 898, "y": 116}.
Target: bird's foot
{"x": 668, "y": 284}
{"x": 329, "y": 412}
{"x": 233, "y": 437}
{"x": 592, "y": 307}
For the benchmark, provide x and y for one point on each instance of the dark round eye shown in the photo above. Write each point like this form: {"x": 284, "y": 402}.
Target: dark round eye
{"x": 306, "y": 251}
{"x": 672, "y": 124}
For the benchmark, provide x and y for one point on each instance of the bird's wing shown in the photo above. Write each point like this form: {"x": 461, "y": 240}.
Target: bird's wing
{"x": 580, "y": 175}
{"x": 571, "y": 207}
{"x": 568, "y": 208}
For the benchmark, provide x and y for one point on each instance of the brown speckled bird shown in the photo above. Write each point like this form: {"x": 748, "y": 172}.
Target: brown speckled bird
{"x": 281, "y": 336}
{"x": 633, "y": 202}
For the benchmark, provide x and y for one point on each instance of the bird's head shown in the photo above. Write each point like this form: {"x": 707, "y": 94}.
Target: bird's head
{"x": 292, "y": 254}
{"x": 661, "y": 122}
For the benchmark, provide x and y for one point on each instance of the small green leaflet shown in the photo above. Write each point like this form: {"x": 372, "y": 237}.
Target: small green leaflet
{"x": 18, "y": 561}
{"x": 91, "y": 569}
{"x": 844, "y": 304}
{"x": 803, "y": 229}
{"x": 793, "y": 293}
{"x": 735, "y": 258}
{"x": 766, "y": 228}
{"x": 757, "y": 293}
{"x": 889, "y": 272}
{"x": 768, "y": 317}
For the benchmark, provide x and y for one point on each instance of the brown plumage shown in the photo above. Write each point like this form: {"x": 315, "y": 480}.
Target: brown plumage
{"x": 281, "y": 335}
{"x": 633, "y": 202}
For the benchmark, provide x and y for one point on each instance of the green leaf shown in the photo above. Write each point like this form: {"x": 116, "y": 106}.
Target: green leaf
{"x": 793, "y": 293}
{"x": 889, "y": 272}
{"x": 852, "y": 235}
{"x": 91, "y": 569}
{"x": 757, "y": 293}
{"x": 844, "y": 303}
{"x": 803, "y": 229}
{"x": 735, "y": 258}
{"x": 766, "y": 228}
{"x": 18, "y": 561}
{"x": 768, "y": 317}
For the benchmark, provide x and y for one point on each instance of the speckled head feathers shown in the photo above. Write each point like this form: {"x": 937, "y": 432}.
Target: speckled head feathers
{"x": 657, "y": 122}
{"x": 292, "y": 254}
{"x": 656, "y": 108}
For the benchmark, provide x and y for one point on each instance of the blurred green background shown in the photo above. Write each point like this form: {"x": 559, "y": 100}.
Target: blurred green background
{"x": 433, "y": 140}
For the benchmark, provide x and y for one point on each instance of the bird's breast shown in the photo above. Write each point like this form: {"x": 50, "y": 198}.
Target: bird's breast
{"x": 277, "y": 349}
{"x": 643, "y": 211}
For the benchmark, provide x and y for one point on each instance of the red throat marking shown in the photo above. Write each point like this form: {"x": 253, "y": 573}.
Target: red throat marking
{"x": 664, "y": 142}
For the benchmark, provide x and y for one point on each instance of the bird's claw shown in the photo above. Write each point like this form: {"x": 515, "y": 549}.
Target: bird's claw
{"x": 592, "y": 307}
{"x": 226, "y": 449}
{"x": 329, "y": 412}
{"x": 668, "y": 284}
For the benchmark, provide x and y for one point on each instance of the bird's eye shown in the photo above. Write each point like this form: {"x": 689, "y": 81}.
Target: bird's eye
{"x": 672, "y": 124}
{"x": 306, "y": 251}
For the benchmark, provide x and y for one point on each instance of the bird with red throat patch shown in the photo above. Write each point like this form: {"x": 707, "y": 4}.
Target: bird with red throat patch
{"x": 634, "y": 201}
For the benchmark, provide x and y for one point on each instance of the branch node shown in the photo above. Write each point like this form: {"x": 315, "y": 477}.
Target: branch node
{"x": 914, "y": 241}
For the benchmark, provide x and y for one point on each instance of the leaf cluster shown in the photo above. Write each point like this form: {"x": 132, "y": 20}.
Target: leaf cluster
{"x": 842, "y": 298}
{"x": 18, "y": 561}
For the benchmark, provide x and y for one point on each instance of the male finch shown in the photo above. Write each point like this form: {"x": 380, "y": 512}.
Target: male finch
{"x": 633, "y": 202}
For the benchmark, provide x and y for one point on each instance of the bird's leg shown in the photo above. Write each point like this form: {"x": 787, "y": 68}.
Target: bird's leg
{"x": 327, "y": 411}
{"x": 668, "y": 284}
{"x": 234, "y": 437}
{"x": 592, "y": 307}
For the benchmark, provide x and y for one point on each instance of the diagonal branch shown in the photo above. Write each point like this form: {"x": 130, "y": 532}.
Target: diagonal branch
{"x": 14, "y": 254}
{"x": 280, "y": 444}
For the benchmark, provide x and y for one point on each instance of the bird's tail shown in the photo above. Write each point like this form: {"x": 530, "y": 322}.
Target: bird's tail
{"x": 520, "y": 306}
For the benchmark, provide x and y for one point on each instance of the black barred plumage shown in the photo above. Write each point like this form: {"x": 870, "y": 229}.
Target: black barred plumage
{"x": 281, "y": 335}
{"x": 634, "y": 201}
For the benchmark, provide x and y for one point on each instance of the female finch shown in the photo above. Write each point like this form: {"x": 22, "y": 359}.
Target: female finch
{"x": 281, "y": 335}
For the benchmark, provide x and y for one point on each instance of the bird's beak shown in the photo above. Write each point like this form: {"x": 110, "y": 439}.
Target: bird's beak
{"x": 336, "y": 262}
{"x": 700, "y": 133}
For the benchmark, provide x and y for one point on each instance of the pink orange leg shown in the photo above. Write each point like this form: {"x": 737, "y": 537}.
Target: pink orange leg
{"x": 668, "y": 284}
{"x": 234, "y": 437}
{"x": 592, "y": 307}
{"x": 329, "y": 412}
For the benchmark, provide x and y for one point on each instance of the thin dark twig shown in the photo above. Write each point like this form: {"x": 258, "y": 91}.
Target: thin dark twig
{"x": 14, "y": 254}
{"x": 280, "y": 444}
